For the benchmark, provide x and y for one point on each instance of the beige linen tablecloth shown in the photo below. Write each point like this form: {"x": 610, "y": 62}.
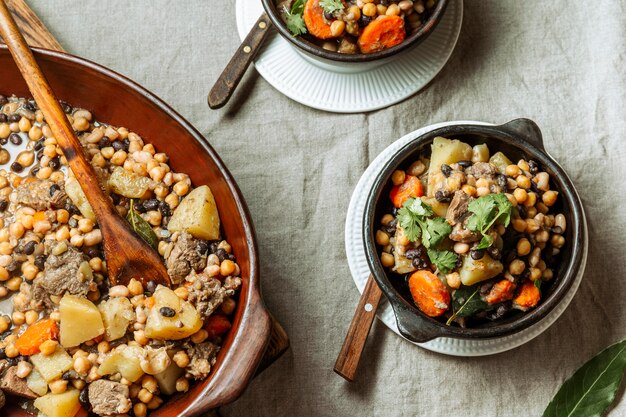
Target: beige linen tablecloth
{"x": 560, "y": 63}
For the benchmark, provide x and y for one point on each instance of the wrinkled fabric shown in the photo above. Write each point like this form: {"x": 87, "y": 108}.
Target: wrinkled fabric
{"x": 560, "y": 63}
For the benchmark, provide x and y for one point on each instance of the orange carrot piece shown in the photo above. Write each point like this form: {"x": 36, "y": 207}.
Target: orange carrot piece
{"x": 149, "y": 302}
{"x": 40, "y": 215}
{"x": 411, "y": 187}
{"x": 28, "y": 343}
{"x": 501, "y": 291}
{"x": 217, "y": 325}
{"x": 528, "y": 297}
{"x": 382, "y": 33}
{"x": 314, "y": 20}
{"x": 429, "y": 293}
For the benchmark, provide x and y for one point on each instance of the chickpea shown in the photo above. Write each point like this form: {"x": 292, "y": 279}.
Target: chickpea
{"x": 398, "y": 176}
{"x": 523, "y": 247}
{"x": 549, "y": 198}
{"x": 387, "y": 260}
{"x": 23, "y": 369}
{"x": 48, "y": 347}
{"x": 144, "y": 396}
{"x": 140, "y": 410}
{"x": 135, "y": 287}
{"x": 181, "y": 359}
{"x": 517, "y": 267}
{"x": 337, "y": 28}
{"x": 512, "y": 171}
{"x": 393, "y": 10}
{"x": 58, "y": 387}
{"x": 182, "y": 384}
{"x": 31, "y": 316}
{"x": 523, "y": 181}
{"x": 520, "y": 195}
{"x": 227, "y": 267}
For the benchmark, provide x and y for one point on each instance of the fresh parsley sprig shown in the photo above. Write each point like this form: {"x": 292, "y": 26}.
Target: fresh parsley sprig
{"x": 443, "y": 259}
{"x": 486, "y": 211}
{"x": 332, "y": 6}
{"x": 294, "y": 19}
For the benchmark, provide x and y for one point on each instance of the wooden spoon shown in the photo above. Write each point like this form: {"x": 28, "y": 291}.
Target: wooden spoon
{"x": 127, "y": 255}
{"x": 350, "y": 354}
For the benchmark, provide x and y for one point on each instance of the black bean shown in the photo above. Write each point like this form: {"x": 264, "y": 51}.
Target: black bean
{"x": 167, "y": 312}
{"x": 213, "y": 246}
{"x": 126, "y": 144}
{"x": 477, "y": 254}
{"x": 14, "y": 118}
{"x": 40, "y": 261}
{"x": 533, "y": 166}
{"x": 500, "y": 311}
{"x": 151, "y": 204}
{"x": 494, "y": 252}
{"x": 72, "y": 222}
{"x": 533, "y": 186}
{"x": 465, "y": 163}
{"x": 140, "y": 206}
{"x": 55, "y": 163}
{"x": 71, "y": 208}
{"x": 443, "y": 196}
{"x": 53, "y": 189}
{"x": 419, "y": 263}
{"x": 29, "y": 247}
{"x": 364, "y": 20}
{"x": 16, "y": 167}
{"x": 459, "y": 262}
{"x": 30, "y": 106}
{"x": 203, "y": 247}
{"x": 67, "y": 375}
{"x": 328, "y": 16}
{"x": 3, "y": 100}
{"x": 3, "y": 205}
{"x": 11, "y": 361}
{"x": 446, "y": 170}
{"x": 165, "y": 210}
{"x": 231, "y": 257}
{"x": 3, "y": 118}
{"x": 117, "y": 145}
{"x": 502, "y": 182}
{"x": 94, "y": 252}
{"x": 2, "y": 354}
{"x": 34, "y": 170}
{"x": 150, "y": 287}
{"x": 522, "y": 211}
{"x": 39, "y": 145}
{"x": 486, "y": 287}
{"x": 39, "y": 154}
{"x": 221, "y": 254}
{"x": 412, "y": 254}
{"x": 511, "y": 256}
{"x": 104, "y": 142}
{"x": 66, "y": 107}
{"x": 83, "y": 398}
{"x": 116, "y": 198}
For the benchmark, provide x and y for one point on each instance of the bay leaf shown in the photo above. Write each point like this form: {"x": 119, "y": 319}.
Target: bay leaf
{"x": 142, "y": 227}
{"x": 593, "y": 387}
{"x": 466, "y": 301}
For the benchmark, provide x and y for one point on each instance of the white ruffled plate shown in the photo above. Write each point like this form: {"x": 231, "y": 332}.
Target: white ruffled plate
{"x": 337, "y": 91}
{"x": 357, "y": 261}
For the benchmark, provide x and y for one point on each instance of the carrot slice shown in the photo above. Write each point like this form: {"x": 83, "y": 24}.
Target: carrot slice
{"x": 528, "y": 297}
{"x": 314, "y": 20}
{"x": 382, "y": 33}
{"x": 411, "y": 187}
{"x": 28, "y": 343}
{"x": 217, "y": 325}
{"x": 501, "y": 291}
{"x": 429, "y": 293}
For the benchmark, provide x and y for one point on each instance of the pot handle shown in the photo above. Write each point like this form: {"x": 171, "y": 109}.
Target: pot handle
{"x": 527, "y": 130}
{"x": 412, "y": 326}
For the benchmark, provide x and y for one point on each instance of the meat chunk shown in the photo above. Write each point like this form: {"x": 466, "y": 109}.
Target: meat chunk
{"x": 201, "y": 358}
{"x": 14, "y": 385}
{"x": 482, "y": 170}
{"x": 108, "y": 397}
{"x": 186, "y": 256}
{"x": 206, "y": 294}
{"x": 346, "y": 46}
{"x": 457, "y": 208}
{"x": 461, "y": 234}
{"x": 41, "y": 195}
{"x": 61, "y": 274}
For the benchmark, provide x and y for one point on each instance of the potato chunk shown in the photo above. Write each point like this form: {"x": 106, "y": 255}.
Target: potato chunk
{"x": 36, "y": 383}
{"x": 197, "y": 214}
{"x": 445, "y": 151}
{"x": 59, "y": 405}
{"x": 183, "y": 322}
{"x": 124, "y": 359}
{"x": 80, "y": 320}
{"x": 473, "y": 271}
{"x": 128, "y": 184}
{"x": 116, "y": 314}
{"x": 52, "y": 366}
{"x": 167, "y": 379}
{"x": 76, "y": 194}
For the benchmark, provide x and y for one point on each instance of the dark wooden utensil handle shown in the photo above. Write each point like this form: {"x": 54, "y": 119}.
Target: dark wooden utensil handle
{"x": 127, "y": 255}
{"x": 229, "y": 79}
{"x": 348, "y": 359}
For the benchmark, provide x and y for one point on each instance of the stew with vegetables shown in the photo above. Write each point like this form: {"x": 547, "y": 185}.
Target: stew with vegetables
{"x": 473, "y": 237}
{"x": 72, "y": 341}
{"x": 355, "y": 26}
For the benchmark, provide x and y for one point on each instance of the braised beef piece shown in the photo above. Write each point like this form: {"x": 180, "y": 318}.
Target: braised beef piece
{"x": 41, "y": 195}
{"x": 461, "y": 234}
{"x": 14, "y": 385}
{"x": 186, "y": 256}
{"x": 347, "y": 46}
{"x": 109, "y": 397}
{"x": 206, "y": 295}
{"x": 458, "y": 207}
{"x": 482, "y": 170}
{"x": 202, "y": 357}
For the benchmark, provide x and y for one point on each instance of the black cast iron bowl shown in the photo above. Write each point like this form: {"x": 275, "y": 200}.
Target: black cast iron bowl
{"x": 520, "y": 138}
{"x": 310, "y": 48}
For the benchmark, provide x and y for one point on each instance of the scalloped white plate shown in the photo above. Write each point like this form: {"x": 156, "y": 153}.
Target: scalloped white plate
{"x": 357, "y": 261}
{"x": 337, "y": 91}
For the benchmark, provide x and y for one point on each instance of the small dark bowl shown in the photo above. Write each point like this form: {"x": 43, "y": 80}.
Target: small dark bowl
{"x": 306, "y": 46}
{"x": 520, "y": 138}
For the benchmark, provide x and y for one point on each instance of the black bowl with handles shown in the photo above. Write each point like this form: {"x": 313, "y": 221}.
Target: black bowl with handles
{"x": 311, "y": 48}
{"x": 520, "y": 138}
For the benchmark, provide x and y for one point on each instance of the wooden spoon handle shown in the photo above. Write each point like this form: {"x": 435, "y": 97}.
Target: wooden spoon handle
{"x": 229, "y": 79}
{"x": 348, "y": 359}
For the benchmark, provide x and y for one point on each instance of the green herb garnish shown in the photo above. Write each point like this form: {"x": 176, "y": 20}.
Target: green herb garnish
{"x": 294, "y": 20}
{"x": 444, "y": 260}
{"x": 466, "y": 301}
{"x": 487, "y": 210}
{"x": 331, "y": 6}
{"x": 414, "y": 219}
{"x": 141, "y": 227}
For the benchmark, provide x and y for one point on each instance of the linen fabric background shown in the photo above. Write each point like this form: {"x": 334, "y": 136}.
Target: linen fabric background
{"x": 560, "y": 63}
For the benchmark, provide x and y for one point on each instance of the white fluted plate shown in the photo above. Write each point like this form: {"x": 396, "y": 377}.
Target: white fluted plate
{"x": 357, "y": 261}
{"x": 337, "y": 91}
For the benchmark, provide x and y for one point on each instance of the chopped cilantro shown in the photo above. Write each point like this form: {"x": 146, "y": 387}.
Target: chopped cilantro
{"x": 331, "y": 6}
{"x": 293, "y": 18}
{"x": 487, "y": 210}
{"x": 444, "y": 260}
{"x": 414, "y": 219}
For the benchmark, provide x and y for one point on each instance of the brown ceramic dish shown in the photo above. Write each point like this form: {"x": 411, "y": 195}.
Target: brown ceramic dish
{"x": 119, "y": 101}
{"x": 310, "y": 48}
{"x": 520, "y": 138}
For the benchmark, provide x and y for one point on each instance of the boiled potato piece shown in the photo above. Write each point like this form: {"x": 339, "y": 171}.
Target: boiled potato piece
{"x": 128, "y": 184}
{"x": 52, "y": 366}
{"x": 116, "y": 314}
{"x": 59, "y": 405}
{"x": 185, "y": 321}
{"x": 80, "y": 321}
{"x": 445, "y": 151}
{"x": 124, "y": 359}
{"x": 167, "y": 379}
{"x": 473, "y": 271}
{"x": 500, "y": 161}
{"x": 76, "y": 194}
{"x": 480, "y": 153}
{"x": 197, "y": 215}
{"x": 403, "y": 265}
{"x": 439, "y": 208}
{"x": 36, "y": 383}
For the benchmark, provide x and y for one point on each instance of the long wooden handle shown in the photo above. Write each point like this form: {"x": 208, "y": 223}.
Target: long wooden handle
{"x": 231, "y": 76}
{"x": 348, "y": 359}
